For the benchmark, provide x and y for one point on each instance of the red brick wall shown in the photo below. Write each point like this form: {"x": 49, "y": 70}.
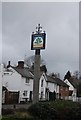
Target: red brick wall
{"x": 63, "y": 91}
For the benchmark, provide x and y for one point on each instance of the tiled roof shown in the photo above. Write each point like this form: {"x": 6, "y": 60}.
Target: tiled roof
{"x": 24, "y": 72}
{"x": 50, "y": 79}
{"x": 60, "y": 82}
{"x": 75, "y": 82}
{"x": 56, "y": 80}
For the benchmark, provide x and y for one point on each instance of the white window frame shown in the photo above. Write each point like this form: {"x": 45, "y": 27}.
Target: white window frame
{"x": 27, "y": 80}
{"x": 25, "y": 92}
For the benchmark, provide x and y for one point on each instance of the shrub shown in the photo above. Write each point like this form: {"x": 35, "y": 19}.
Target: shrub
{"x": 43, "y": 111}
{"x": 58, "y": 110}
{"x": 14, "y": 118}
{"x": 7, "y": 111}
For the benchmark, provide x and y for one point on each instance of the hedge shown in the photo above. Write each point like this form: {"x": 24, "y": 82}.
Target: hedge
{"x": 57, "y": 110}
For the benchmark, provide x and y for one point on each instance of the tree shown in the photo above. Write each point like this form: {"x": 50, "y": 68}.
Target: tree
{"x": 68, "y": 75}
{"x": 29, "y": 61}
{"x": 77, "y": 74}
{"x": 79, "y": 90}
{"x": 43, "y": 68}
{"x": 55, "y": 75}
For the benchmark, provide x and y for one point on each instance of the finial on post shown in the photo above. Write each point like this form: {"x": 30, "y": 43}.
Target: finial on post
{"x": 39, "y": 29}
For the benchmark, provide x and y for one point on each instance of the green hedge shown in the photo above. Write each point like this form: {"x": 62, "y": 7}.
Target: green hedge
{"x": 16, "y": 118}
{"x": 57, "y": 110}
{"x": 43, "y": 111}
{"x": 7, "y": 111}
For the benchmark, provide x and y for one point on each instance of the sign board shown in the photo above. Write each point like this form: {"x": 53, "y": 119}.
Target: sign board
{"x": 38, "y": 41}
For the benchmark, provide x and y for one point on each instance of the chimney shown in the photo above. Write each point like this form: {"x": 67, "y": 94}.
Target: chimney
{"x": 8, "y": 64}
{"x": 20, "y": 64}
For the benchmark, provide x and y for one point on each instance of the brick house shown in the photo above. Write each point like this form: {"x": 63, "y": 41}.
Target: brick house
{"x": 73, "y": 83}
{"x": 63, "y": 88}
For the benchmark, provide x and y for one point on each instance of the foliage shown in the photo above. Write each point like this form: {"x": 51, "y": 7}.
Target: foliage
{"x": 79, "y": 90}
{"x": 54, "y": 110}
{"x": 43, "y": 68}
{"x": 55, "y": 75}
{"x": 29, "y": 61}
{"x": 7, "y": 111}
{"x": 68, "y": 110}
{"x": 68, "y": 75}
{"x": 16, "y": 118}
{"x": 43, "y": 111}
{"x": 58, "y": 110}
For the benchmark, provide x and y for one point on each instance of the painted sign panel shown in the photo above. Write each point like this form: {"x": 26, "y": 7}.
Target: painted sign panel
{"x": 38, "y": 41}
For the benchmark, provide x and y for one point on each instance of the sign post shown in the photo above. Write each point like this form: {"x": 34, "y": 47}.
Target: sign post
{"x": 37, "y": 43}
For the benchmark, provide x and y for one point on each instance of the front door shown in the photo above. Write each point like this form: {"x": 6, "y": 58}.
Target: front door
{"x": 52, "y": 96}
{"x": 30, "y": 96}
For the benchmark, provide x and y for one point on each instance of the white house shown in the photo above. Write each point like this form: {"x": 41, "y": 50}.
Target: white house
{"x": 47, "y": 87}
{"x": 18, "y": 82}
{"x": 73, "y": 83}
{"x": 52, "y": 86}
{"x": 42, "y": 86}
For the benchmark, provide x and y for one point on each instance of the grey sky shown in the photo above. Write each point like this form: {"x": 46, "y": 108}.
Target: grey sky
{"x": 59, "y": 20}
{"x": 0, "y": 32}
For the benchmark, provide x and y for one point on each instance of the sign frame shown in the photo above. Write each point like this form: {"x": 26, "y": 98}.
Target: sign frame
{"x": 38, "y": 41}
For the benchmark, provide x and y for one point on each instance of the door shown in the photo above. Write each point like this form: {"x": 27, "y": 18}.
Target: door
{"x": 52, "y": 96}
{"x": 30, "y": 95}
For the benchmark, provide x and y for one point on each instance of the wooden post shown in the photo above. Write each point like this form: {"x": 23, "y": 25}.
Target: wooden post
{"x": 37, "y": 43}
{"x": 36, "y": 77}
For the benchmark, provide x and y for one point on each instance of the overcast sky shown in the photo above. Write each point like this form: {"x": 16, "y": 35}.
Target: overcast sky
{"x": 59, "y": 20}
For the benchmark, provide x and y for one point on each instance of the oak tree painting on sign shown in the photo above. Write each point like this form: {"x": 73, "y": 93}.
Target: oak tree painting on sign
{"x": 38, "y": 41}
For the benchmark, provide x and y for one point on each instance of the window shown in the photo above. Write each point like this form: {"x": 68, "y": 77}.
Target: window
{"x": 42, "y": 82}
{"x": 25, "y": 93}
{"x": 6, "y": 73}
{"x": 26, "y": 80}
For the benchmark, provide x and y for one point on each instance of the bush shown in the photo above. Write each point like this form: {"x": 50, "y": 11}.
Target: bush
{"x": 15, "y": 118}
{"x": 58, "y": 110}
{"x": 7, "y": 111}
{"x": 43, "y": 111}
{"x": 17, "y": 114}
